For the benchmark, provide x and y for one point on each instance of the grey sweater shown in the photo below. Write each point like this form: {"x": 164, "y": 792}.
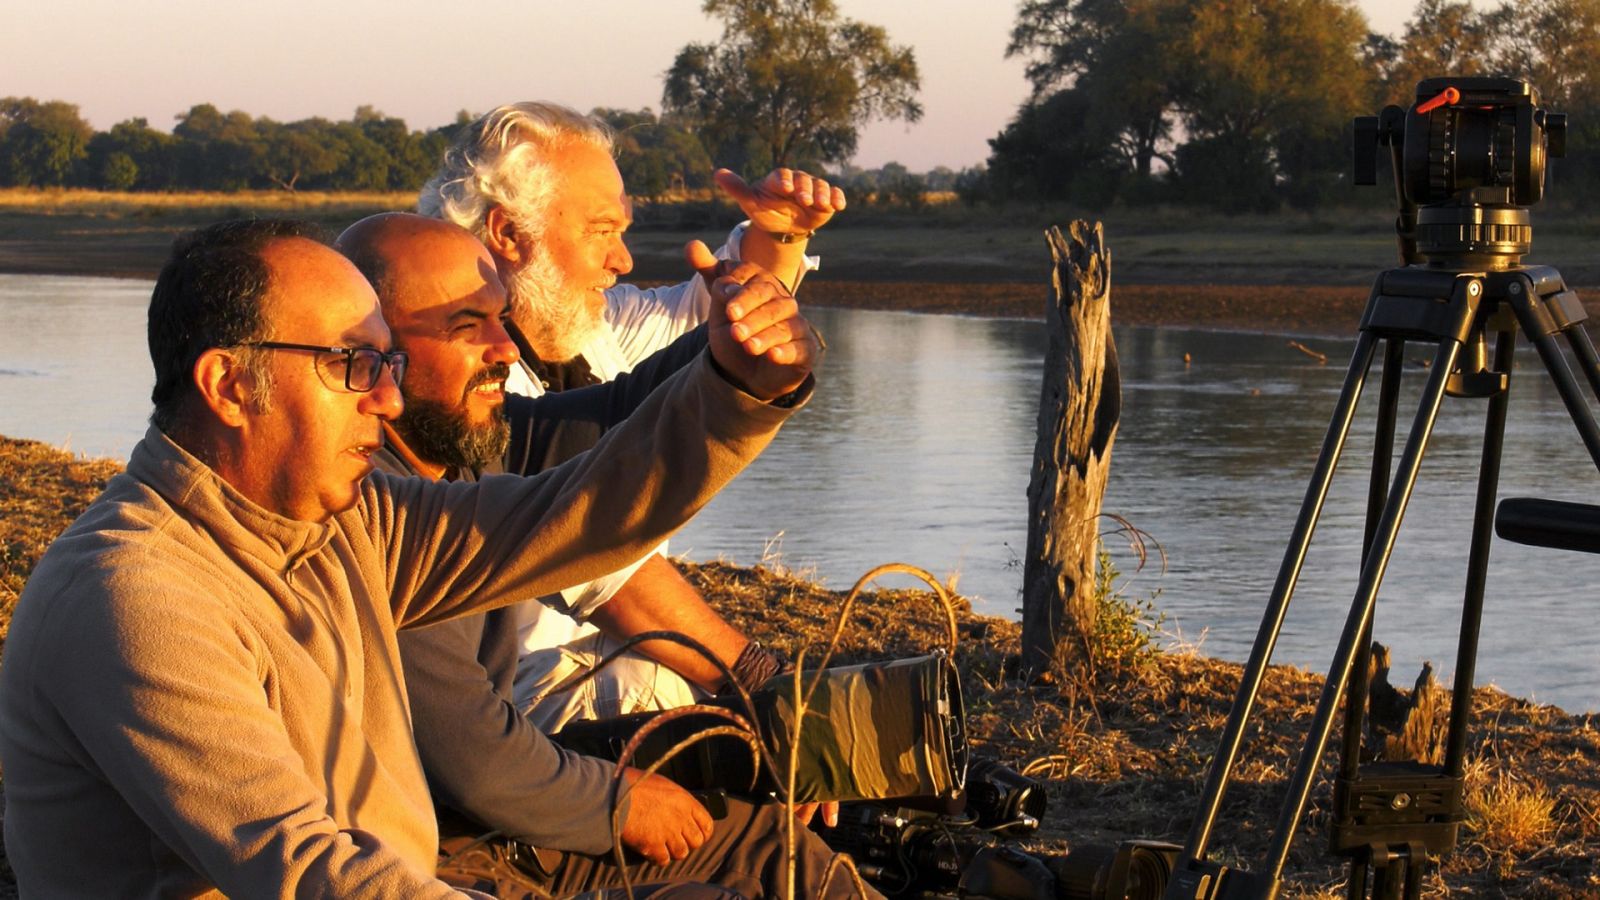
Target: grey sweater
{"x": 206, "y": 696}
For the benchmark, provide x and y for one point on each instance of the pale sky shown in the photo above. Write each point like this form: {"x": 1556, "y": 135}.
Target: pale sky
{"x": 423, "y": 61}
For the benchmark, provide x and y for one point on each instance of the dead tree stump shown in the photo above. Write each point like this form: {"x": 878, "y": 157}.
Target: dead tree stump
{"x": 1080, "y": 404}
{"x": 1402, "y": 726}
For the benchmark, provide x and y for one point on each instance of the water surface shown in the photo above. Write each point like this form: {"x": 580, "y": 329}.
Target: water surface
{"x": 917, "y": 447}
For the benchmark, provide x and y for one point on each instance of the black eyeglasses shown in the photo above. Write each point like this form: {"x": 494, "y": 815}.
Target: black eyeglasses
{"x": 361, "y": 365}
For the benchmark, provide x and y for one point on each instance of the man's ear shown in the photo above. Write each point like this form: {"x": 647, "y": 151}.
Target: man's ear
{"x": 501, "y": 236}
{"x": 225, "y": 385}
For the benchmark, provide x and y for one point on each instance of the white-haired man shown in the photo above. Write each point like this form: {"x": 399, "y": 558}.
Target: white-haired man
{"x": 536, "y": 182}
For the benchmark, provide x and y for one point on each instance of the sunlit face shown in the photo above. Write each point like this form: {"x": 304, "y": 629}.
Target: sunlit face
{"x": 446, "y": 308}
{"x": 559, "y": 288}
{"x": 307, "y": 452}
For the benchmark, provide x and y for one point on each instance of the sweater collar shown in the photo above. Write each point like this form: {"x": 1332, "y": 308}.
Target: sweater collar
{"x": 199, "y": 494}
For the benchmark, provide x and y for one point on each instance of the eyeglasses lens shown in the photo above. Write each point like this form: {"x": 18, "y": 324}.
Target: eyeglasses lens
{"x": 366, "y": 366}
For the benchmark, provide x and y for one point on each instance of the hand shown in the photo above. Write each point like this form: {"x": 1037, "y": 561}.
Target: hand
{"x": 757, "y": 335}
{"x": 830, "y": 813}
{"x": 665, "y": 822}
{"x": 787, "y": 201}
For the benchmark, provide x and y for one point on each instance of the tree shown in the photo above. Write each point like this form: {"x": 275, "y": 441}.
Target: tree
{"x": 1261, "y": 88}
{"x": 1057, "y": 150}
{"x": 41, "y": 144}
{"x": 413, "y": 157}
{"x": 217, "y": 151}
{"x": 656, "y": 155}
{"x": 298, "y": 150}
{"x": 790, "y": 83}
{"x": 1443, "y": 37}
{"x": 1284, "y": 76}
{"x": 151, "y": 153}
{"x": 1121, "y": 56}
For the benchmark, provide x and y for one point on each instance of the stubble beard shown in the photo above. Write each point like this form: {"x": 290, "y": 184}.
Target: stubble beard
{"x": 557, "y": 316}
{"x": 443, "y": 435}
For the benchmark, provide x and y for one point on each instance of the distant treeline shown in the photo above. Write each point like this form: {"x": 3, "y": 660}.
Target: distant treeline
{"x": 48, "y": 144}
{"x": 1237, "y": 105}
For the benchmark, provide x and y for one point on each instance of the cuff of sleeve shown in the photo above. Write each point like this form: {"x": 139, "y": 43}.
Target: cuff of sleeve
{"x": 582, "y": 601}
{"x": 790, "y": 401}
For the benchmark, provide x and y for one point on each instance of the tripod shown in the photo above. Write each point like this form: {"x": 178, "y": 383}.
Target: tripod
{"x": 1468, "y": 159}
{"x": 1391, "y": 818}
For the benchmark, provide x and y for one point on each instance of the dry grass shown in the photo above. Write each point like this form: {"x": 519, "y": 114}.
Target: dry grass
{"x": 61, "y": 201}
{"x": 1121, "y": 756}
{"x": 1511, "y": 813}
{"x": 42, "y": 490}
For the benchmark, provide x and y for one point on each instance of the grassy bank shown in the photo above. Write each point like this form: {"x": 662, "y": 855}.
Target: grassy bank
{"x": 1122, "y": 753}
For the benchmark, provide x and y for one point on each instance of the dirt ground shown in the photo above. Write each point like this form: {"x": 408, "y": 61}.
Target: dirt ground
{"x": 1121, "y": 753}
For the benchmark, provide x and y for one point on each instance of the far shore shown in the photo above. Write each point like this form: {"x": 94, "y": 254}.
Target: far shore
{"x": 1321, "y": 310}
{"x": 1290, "y": 274}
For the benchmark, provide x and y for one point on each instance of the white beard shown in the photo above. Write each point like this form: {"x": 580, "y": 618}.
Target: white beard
{"x": 556, "y": 316}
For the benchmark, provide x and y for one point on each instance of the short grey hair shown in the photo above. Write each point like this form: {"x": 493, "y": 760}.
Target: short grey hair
{"x": 502, "y": 159}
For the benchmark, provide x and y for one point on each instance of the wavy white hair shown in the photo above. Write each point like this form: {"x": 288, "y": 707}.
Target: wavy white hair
{"x": 502, "y": 159}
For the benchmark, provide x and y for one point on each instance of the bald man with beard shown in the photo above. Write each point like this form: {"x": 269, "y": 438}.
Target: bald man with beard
{"x": 488, "y": 766}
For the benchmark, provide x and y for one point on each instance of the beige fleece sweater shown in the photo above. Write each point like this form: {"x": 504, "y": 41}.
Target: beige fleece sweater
{"x": 198, "y": 695}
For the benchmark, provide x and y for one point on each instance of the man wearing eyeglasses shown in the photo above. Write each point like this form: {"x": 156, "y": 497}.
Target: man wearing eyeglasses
{"x": 201, "y": 681}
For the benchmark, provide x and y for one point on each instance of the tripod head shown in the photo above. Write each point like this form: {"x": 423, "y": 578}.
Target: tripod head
{"x": 1468, "y": 159}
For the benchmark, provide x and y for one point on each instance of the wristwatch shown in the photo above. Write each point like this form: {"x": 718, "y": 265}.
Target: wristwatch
{"x": 790, "y": 237}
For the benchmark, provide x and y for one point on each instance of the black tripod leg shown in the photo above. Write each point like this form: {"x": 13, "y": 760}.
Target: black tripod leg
{"x": 1583, "y": 348}
{"x": 1536, "y": 323}
{"x": 1494, "y": 432}
{"x": 1377, "y": 490}
{"x": 1361, "y": 607}
{"x": 1272, "y": 622}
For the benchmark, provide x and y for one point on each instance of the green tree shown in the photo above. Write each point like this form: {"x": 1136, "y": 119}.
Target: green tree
{"x": 41, "y": 144}
{"x": 655, "y": 155}
{"x": 412, "y": 156}
{"x": 1057, "y": 150}
{"x": 217, "y": 151}
{"x": 1443, "y": 37}
{"x": 1553, "y": 45}
{"x": 364, "y": 163}
{"x": 1286, "y": 75}
{"x": 151, "y": 152}
{"x": 791, "y": 82}
{"x": 304, "y": 150}
{"x": 119, "y": 172}
{"x": 1261, "y": 88}
{"x": 1122, "y": 57}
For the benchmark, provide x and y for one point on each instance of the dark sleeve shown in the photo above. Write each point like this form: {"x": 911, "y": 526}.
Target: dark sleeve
{"x": 549, "y": 430}
{"x": 484, "y": 759}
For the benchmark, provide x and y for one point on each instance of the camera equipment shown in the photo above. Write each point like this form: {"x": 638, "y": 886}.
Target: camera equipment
{"x": 1468, "y": 158}
{"x": 872, "y": 731}
{"x": 906, "y": 851}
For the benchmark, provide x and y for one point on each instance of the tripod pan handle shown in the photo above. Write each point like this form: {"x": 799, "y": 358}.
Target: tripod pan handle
{"x": 1549, "y": 523}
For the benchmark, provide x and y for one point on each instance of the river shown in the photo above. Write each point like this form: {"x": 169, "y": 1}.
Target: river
{"x": 917, "y": 446}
